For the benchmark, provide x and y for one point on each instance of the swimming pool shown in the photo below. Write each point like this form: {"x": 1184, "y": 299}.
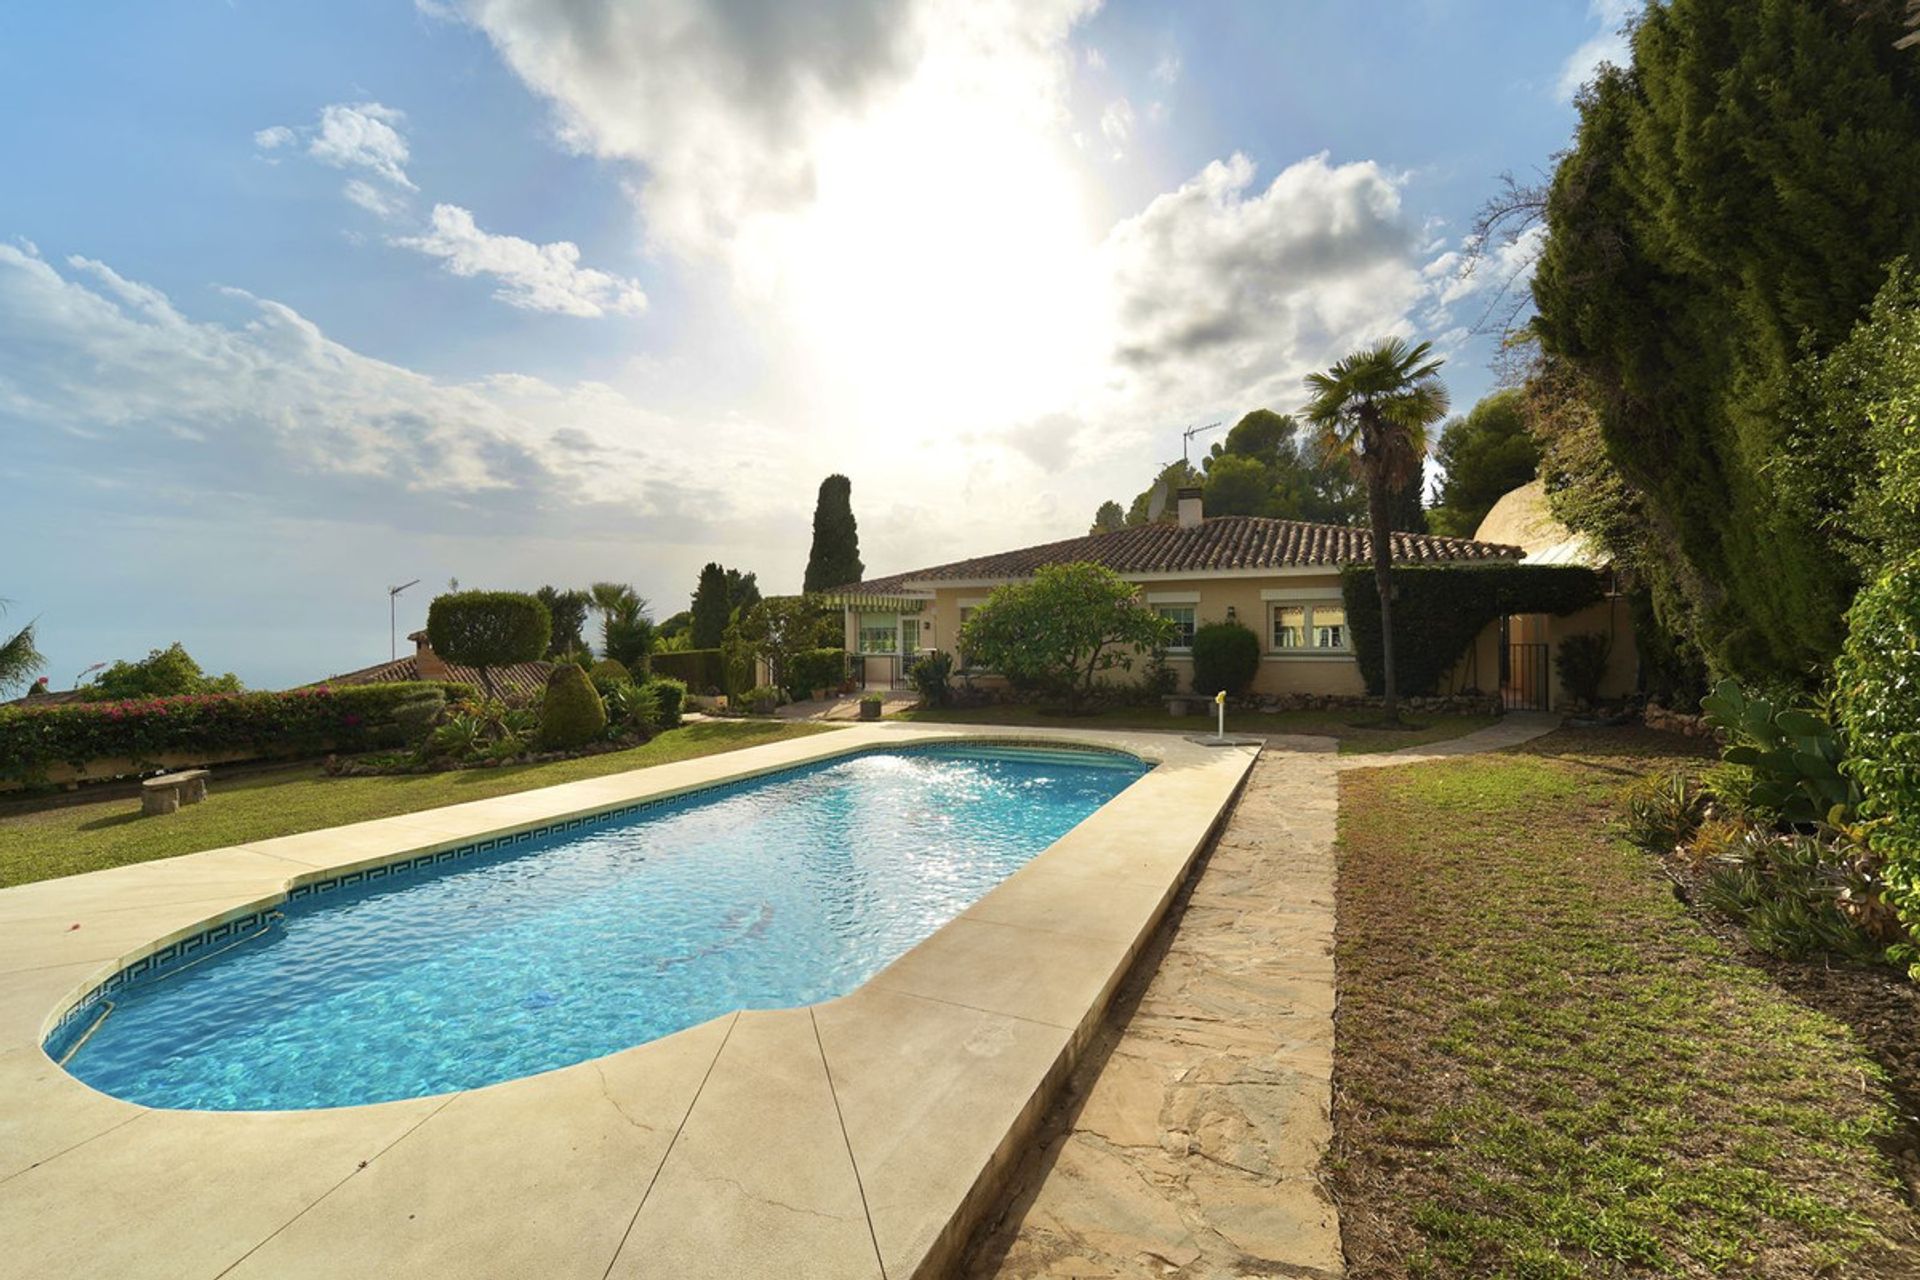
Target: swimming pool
{"x": 768, "y": 893}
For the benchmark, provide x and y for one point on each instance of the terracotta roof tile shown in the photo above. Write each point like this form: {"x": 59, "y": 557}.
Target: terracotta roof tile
{"x": 521, "y": 677}
{"x": 1218, "y": 544}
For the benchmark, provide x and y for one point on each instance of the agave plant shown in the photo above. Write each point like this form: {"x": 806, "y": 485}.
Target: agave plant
{"x": 1792, "y": 758}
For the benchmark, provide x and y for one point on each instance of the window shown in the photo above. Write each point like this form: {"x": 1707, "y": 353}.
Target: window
{"x": 879, "y": 633}
{"x": 1290, "y": 627}
{"x": 1182, "y": 615}
{"x": 1310, "y": 627}
{"x": 1329, "y": 626}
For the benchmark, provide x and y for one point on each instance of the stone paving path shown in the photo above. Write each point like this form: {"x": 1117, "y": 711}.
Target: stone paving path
{"x": 1188, "y": 1144}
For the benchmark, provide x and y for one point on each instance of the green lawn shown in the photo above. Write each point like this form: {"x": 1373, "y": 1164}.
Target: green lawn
{"x": 1545, "y": 1067}
{"x": 61, "y": 842}
{"x": 1343, "y": 725}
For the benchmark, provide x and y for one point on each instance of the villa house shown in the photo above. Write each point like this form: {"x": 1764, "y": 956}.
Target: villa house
{"x": 1281, "y": 578}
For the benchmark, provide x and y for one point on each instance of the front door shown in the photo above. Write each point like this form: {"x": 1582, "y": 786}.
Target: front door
{"x": 909, "y": 644}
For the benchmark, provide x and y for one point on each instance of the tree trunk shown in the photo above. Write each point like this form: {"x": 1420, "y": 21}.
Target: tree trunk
{"x": 1383, "y": 580}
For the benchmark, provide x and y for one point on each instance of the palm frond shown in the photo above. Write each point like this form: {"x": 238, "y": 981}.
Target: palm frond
{"x": 19, "y": 658}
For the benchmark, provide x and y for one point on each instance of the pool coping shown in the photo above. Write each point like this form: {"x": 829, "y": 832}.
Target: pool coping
{"x": 859, "y": 1136}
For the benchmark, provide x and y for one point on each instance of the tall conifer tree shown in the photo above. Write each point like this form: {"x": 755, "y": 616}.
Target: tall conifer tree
{"x": 835, "y": 558}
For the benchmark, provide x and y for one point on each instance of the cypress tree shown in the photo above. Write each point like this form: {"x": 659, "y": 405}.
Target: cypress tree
{"x": 1732, "y": 201}
{"x": 711, "y": 608}
{"x": 835, "y": 558}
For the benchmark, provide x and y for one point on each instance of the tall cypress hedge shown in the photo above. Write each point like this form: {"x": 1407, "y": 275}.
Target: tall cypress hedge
{"x": 1731, "y": 202}
{"x": 1439, "y": 609}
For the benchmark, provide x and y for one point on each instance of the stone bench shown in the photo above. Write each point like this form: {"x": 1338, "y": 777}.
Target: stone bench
{"x": 166, "y": 793}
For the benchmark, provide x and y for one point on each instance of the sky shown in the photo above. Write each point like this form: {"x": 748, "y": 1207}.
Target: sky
{"x": 301, "y": 299}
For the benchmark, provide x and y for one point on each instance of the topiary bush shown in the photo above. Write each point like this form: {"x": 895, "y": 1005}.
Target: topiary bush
{"x": 488, "y": 629}
{"x": 1877, "y": 697}
{"x": 416, "y": 717}
{"x": 609, "y": 672}
{"x": 671, "y": 695}
{"x": 1226, "y": 656}
{"x": 573, "y": 714}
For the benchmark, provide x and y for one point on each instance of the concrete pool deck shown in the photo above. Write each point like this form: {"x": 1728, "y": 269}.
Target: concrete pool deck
{"x": 862, "y": 1136}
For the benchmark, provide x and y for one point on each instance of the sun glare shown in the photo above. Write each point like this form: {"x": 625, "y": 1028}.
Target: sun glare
{"x": 945, "y": 263}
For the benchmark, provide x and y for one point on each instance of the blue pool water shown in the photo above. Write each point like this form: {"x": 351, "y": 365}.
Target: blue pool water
{"x": 771, "y": 893}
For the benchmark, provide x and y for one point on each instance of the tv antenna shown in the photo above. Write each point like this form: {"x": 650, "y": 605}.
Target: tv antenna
{"x": 393, "y": 596}
{"x": 1186, "y": 437}
{"x": 1157, "y": 500}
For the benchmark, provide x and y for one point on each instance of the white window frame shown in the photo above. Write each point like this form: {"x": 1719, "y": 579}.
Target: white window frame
{"x": 1306, "y": 603}
{"x": 1191, "y": 623}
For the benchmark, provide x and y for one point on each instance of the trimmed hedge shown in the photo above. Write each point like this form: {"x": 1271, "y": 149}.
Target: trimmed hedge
{"x": 700, "y": 669}
{"x": 347, "y": 718}
{"x": 1439, "y": 609}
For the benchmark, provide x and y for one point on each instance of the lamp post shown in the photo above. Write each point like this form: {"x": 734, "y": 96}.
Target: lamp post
{"x": 393, "y": 595}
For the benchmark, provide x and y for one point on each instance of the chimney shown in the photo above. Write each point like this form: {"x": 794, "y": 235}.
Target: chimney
{"x": 427, "y": 664}
{"x": 1190, "y": 512}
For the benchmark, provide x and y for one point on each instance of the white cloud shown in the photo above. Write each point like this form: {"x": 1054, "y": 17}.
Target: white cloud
{"x": 537, "y": 277}
{"x": 1609, "y": 45}
{"x": 362, "y": 136}
{"x": 1167, "y": 71}
{"x": 1095, "y": 60}
{"x": 378, "y": 201}
{"x": 1229, "y": 294}
{"x": 731, "y": 111}
{"x": 1116, "y": 125}
{"x": 278, "y": 410}
{"x": 273, "y": 137}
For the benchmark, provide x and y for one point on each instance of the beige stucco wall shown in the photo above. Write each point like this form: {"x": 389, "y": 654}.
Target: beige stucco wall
{"x": 1611, "y": 618}
{"x": 1212, "y": 599}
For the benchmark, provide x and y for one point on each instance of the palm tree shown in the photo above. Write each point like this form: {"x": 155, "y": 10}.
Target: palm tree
{"x": 18, "y": 658}
{"x": 1374, "y": 408}
{"x": 626, "y": 632}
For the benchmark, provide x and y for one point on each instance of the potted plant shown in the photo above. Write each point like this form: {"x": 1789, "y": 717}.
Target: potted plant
{"x": 870, "y": 706}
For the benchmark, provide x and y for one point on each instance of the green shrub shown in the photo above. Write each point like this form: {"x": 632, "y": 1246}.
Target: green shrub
{"x": 488, "y": 629}
{"x": 609, "y": 672}
{"x": 671, "y": 695}
{"x": 163, "y": 673}
{"x": 1438, "y": 610}
{"x": 761, "y": 700}
{"x": 634, "y": 708}
{"x": 573, "y": 714}
{"x": 199, "y": 727}
{"x": 1877, "y": 697}
{"x": 701, "y": 669}
{"x": 932, "y": 676}
{"x": 415, "y": 718}
{"x": 1582, "y": 664}
{"x": 1792, "y": 758}
{"x": 1790, "y": 893}
{"x": 815, "y": 669}
{"x": 1664, "y": 810}
{"x": 1226, "y": 656}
